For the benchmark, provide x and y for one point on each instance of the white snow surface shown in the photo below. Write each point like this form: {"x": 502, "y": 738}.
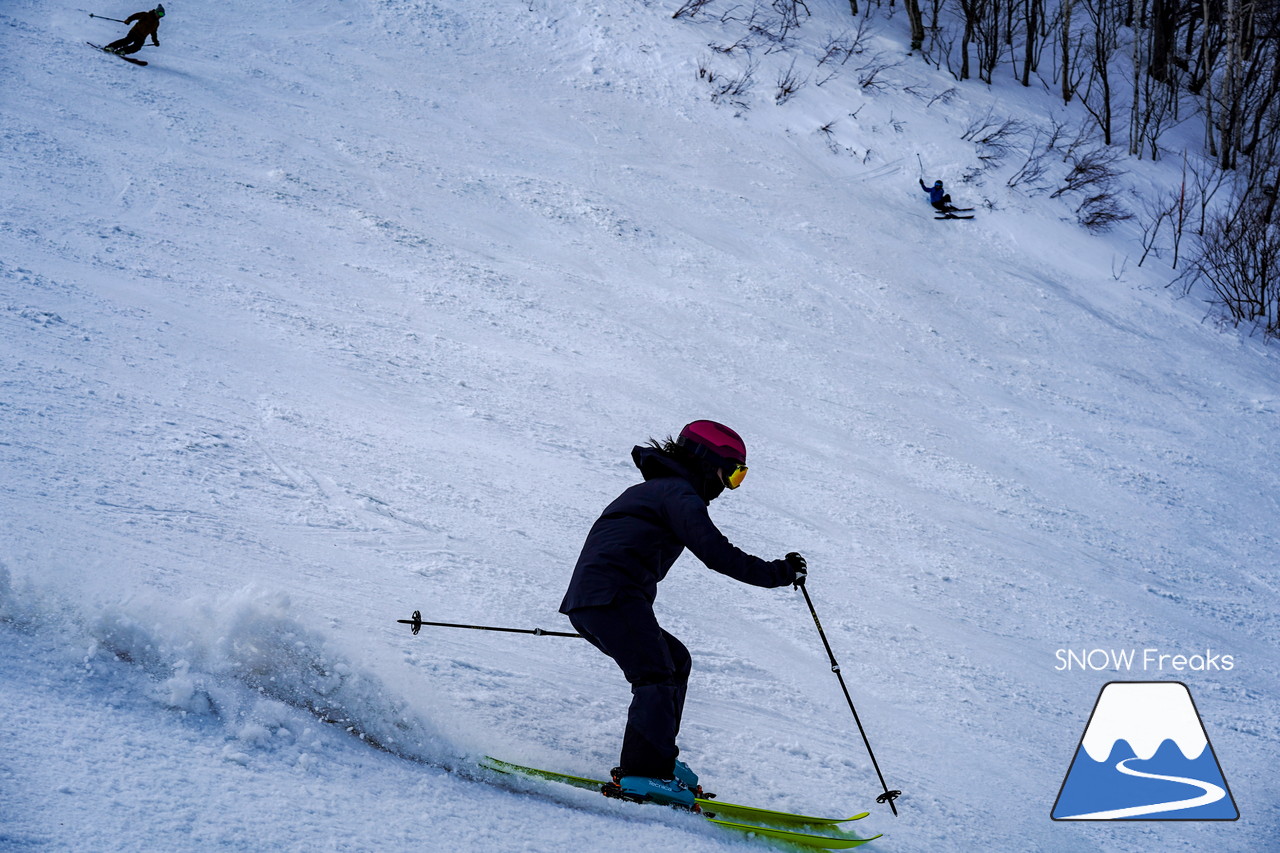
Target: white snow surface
{"x": 346, "y": 308}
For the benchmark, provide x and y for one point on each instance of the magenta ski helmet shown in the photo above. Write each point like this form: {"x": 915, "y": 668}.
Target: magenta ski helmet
{"x": 720, "y": 449}
{"x": 717, "y": 438}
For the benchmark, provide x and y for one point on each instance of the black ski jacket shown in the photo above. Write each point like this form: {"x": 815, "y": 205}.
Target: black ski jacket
{"x": 144, "y": 24}
{"x": 634, "y": 543}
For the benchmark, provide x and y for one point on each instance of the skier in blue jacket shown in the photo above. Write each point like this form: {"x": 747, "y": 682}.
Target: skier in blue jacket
{"x": 938, "y": 197}
{"x": 629, "y": 549}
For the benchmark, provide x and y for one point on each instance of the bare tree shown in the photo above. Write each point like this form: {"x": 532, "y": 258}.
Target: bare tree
{"x": 1036, "y": 165}
{"x": 1155, "y": 105}
{"x": 1167, "y": 208}
{"x": 840, "y": 49}
{"x": 1238, "y": 259}
{"x": 729, "y": 89}
{"x": 1207, "y": 180}
{"x": 994, "y": 137}
{"x": 973, "y": 12}
{"x": 1093, "y": 176}
{"x": 1229, "y": 122}
{"x": 1092, "y": 166}
{"x": 915, "y": 19}
{"x": 1104, "y": 17}
{"x": 1101, "y": 211}
{"x": 1064, "y": 45}
{"x": 986, "y": 31}
{"x": 1140, "y": 47}
{"x": 788, "y": 83}
{"x": 1033, "y": 14}
{"x": 690, "y": 8}
{"x": 790, "y": 11}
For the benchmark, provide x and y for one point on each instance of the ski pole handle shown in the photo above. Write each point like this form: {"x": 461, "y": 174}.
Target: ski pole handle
{"x": 105, "y": 18}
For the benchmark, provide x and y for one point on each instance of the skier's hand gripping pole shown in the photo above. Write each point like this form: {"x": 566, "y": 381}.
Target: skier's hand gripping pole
{"x": 800, "y": 567}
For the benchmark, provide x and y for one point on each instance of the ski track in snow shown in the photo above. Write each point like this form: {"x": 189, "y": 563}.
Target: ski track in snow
{"x": 329, "y": 316}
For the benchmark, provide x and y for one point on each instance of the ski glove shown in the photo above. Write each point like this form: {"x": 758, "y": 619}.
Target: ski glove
{"x": 799, "y": 566}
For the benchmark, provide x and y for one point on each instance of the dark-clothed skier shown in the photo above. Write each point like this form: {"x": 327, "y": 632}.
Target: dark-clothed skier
{"x": 938, "y": 197}
{"x": 144, "y": 24}
{"x": 629, "y": 549}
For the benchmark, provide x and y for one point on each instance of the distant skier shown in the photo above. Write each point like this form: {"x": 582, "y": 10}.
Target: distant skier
{"x": 144, "y": 24}
{"x": 938, "y": 197}
{"x": 629, "y": 549}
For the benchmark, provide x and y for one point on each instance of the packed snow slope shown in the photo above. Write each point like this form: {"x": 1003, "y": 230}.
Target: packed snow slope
{"x": 339, "y": 310}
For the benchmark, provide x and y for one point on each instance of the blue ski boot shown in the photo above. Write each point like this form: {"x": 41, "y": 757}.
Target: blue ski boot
{"x": 668, "y": 792}
{"x": 688, "y": 777}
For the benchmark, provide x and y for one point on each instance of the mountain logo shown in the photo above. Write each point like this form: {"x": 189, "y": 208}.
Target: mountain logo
{"x": 1145, "y": 755}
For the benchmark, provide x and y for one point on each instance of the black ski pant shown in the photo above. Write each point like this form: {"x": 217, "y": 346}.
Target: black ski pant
{"x": 656, "y": 665}
{"x": 127, "y": 45}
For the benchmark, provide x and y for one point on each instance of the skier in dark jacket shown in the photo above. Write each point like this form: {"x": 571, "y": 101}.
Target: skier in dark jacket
{"x": 629, "y": 549}
{"x": 144, "y": 24}
{"x": 938, "y": 197}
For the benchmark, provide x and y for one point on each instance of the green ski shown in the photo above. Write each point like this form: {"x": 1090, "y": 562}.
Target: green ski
{"x": 805, "y": 839}
{"x": 763, "y": 822}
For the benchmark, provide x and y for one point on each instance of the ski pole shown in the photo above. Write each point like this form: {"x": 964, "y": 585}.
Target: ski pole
{"x": 105, "y": 18}
{"x": 888, "y": 796}
{"x": 417, "y": 622}
{"x": 921, "y": 162}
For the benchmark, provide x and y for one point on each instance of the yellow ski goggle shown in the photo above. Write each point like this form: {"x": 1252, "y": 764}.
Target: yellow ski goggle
{"x": 734, "y": 477}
